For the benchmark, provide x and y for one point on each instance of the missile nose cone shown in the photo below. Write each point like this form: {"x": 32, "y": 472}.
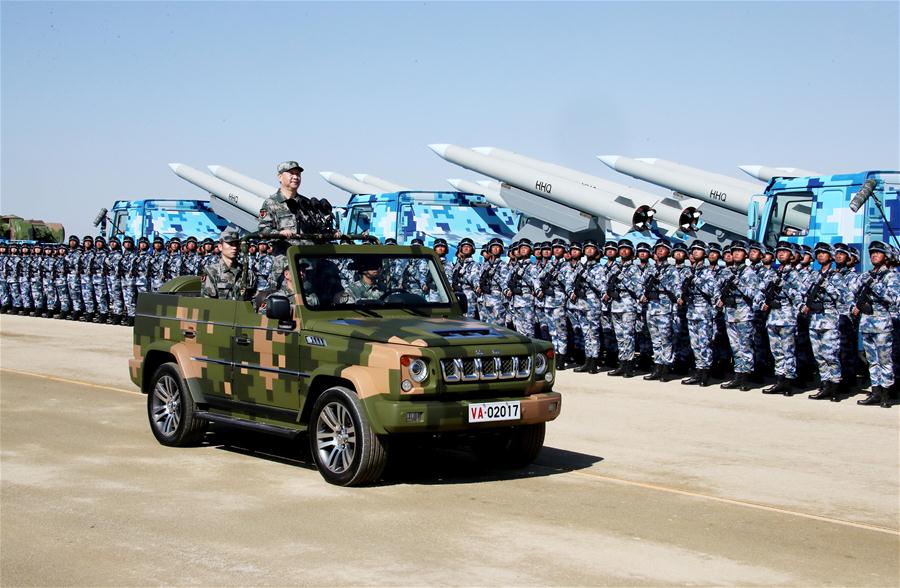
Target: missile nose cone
{"x": 214, "y": 169}
{"x": 454, "y": 182}
{"x": 326, "y": 174}
{"x": 751, "y": 170}
{"x": 439, "y": 148}
{"x": 174, "y": 166}
{"x": 609, "y": 160}
{"x": 360, "y": 177}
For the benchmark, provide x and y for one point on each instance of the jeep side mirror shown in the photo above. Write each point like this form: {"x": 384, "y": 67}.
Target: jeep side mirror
{"x": 279, "y": 308}
{"x": 463, "y": 301}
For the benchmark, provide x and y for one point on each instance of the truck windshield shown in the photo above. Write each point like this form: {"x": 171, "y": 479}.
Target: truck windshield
{"x": 334, "y": 282}
{"x": 788, "y": 217}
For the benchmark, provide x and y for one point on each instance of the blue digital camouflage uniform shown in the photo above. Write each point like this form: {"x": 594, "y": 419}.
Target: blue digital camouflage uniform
{"x": 461, "y": 272}
{"x": 876, "y": 329}
{"x": 173, "y": 265}
{"x": 98, "y": 279}
{"x": 60, "y": 272}
{"x": 48, "y": 283}
{"x": 415, "y": 276}
{"x": 702, "y": 289}
{"x": 805, "y": 360}
{"x": 762, "y": 356}
{"x": 781, "y": 321}
{"x": 73, "y": 278}
{"x": 587, "y": 305}
{"x": 625, "y": 290}
{"x": 661, "y": 290}
{"x": 848, "y": 325}
{"x": 5, "y": 298}
{"x": 36, "y": 281}
{"x": 554, "y": 299}
{"x": 13, "y": 269}
{"x": 598, "y": 278}
{"x": 263, "y": 271}
{"x": 113, "y": 268}
{"x": 682, "y": 339}
{"x": 142, "y": 277}
{"x": 741, "y": 295}
{"x": 721, "y": 347}
{"x": 490, "y": 282}
{"x": 127, "y": 271}
{"x": 540, "y": 315}
{"x": 643, "y": 341}
{"x": 87, "y": 284}
{"x": 567, "y": 274}
{"x": 24, "y": 276}
{"x": 522, "y": 283}
{"x": 157, "y": 267}
{"x": 826, "y": 295}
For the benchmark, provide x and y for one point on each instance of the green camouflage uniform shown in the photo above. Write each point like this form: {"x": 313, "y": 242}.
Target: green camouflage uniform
{"x": 221, "y": 281}
{"x": 359, "y": 290}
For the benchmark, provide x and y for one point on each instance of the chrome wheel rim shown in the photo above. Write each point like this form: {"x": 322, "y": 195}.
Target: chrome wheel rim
{"x": 336, "y": 437}
{"x": 166, "y": 405}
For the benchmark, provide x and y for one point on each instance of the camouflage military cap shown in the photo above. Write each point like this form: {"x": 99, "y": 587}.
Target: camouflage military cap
{"x": 644, "y": 246}
{"x": 806, "y": 249}
{"x": 680, "y": 246}
{"x": 390, "y": 241}
{"x": 158, "y": 239}
{"x": 495, "y": 241}
{"x": 288, "y": 166}
{"x": 513, "y": 245}
{"x": 206, "y": 241}
{"x": 175, "y": 240}
{"x": 417, "y": 241}
{"x": 100, "y": 239}
{"x": 741, "y": 245}
{"x": 526, "y": 242}
{"x": 878, "y": 247}
{"x": 822, "y": 247}
{"x": 13, "y": 247}
{"x": 784, "y": 246}
{"x": 466, "y": 241}
{"x": 191, "y": 239}
{"x": 610, "y": 245}
{"x": 113, "y": 239}
{"x": 440, "y": 242}
{"x": 558, "y": 242}
{"x": 128, "y": 239}
{"x": 229, "y": 235}
{"x": 854, "y": 252}
{"x": 714, "y": 248}
{"x": 841, "y": 248}
{"x": 590, "y": 243}
{"x": 756, "y": 245}
{"x": 575, "y": 245}
{"x": 61, "y": 247}
{"x": 74, "y": 238}
{"x": 88, "y": 238}
{"x": 626, "y": 243}
{"x": 698, "y": 244}
{"x": 144, "y": 240}
{"x": 662, "y": 242}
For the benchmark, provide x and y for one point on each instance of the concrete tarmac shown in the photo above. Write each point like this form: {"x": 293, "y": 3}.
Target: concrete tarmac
{"x": 639, "y": 484}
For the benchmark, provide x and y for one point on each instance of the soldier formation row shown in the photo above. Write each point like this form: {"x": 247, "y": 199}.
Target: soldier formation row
{"x": 94, "y": 281}
{"x": 699, "y": 309}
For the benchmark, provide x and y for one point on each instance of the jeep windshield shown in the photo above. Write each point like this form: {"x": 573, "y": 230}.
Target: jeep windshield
{"x": 368, "y": 281}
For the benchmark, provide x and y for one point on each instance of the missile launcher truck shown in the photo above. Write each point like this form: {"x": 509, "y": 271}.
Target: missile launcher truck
{"x": 155, "y": 217}
{"x": 356, "y": 373}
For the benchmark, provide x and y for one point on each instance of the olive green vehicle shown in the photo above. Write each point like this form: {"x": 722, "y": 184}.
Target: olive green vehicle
{"x": 357, "y": 373}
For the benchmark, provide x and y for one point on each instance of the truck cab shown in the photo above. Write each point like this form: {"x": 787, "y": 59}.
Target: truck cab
{"x": 167, "y": 218}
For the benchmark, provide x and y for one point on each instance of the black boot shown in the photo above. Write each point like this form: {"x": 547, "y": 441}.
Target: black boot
{"x": 88, "y": 317}
{"x": 739, "y": 381}
{"x": 589, "y": 365}
{"x": 693, "y": 378}
{"x": 836, "y": 394}
{"x": 596, "y": 366}
{"x": 562, "y": 362}
{"x": 629, "y": 369}
{"x": 654, "y": 375}
{"x": 663, "y": 373}
{"x": 779, "y": 387}
{"x": 619, "y": 371}
{"x": 827, "y": 391}
{"x": 873, "y": 398}
{"x": 704, "y": 377}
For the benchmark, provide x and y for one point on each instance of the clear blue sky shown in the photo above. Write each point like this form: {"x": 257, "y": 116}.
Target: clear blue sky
{"x": 98, "y": 97}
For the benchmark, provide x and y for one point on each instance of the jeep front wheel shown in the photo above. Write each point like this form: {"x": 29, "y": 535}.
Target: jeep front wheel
{"x": 170, "y": 409}
{"x": 343, "y": 445}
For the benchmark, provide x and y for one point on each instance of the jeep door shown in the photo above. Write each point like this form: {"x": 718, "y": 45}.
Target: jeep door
{"x": 267, "y": 379}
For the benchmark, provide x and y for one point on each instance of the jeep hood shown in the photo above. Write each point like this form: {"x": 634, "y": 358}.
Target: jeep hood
{"x": 418, "y": 331}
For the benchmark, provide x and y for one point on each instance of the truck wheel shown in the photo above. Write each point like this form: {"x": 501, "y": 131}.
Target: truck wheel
{"x": 170, "y": 409}
{"x": 515, "y": 447}
{"x": 343, "y": 445}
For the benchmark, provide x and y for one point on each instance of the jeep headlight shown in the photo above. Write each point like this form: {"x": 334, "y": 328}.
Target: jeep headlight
{"x": 540, "y": 364}
{"x": 418, "y": 369}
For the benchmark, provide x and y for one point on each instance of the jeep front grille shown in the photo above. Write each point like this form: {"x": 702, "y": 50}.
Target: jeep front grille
{"x": 480, "y": 369}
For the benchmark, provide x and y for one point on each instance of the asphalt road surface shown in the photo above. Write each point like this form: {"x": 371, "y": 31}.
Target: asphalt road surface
{"x": 639, "y": 484}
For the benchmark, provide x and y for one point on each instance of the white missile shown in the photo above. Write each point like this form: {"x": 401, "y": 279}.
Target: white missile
{"x": 236, "y": 204}
{"x": 492, "y": 196}
{"x": 349, "y": 184}
{"x": 544, "y": 185}
{"x": 382, "y": 185}
{"x": 734, "y": 195}
{"x": 766, "y": 173}
{"x": 668, "y": 213}
{"x": 249, "y": 184}
{"x": 712, "y": 176}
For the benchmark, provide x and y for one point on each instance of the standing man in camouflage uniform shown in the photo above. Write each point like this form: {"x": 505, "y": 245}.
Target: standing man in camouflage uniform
{"x": 848, "y": 323}
{"x": 5, "y": 298}
{"x": 875, "y": 304}
{"x": 113, "y": 267}
{"x": 783, "y": 297}
{"x": 13, "y": 269}
{"x": 415, "y": 273}
{"x": 569, "y": 273}
{"x": 157, "y": 264}
{"x": 263, "y": 266}
{"x": 762, "y": 358}
{"x": 460, "y": 272}
{"x": 623, "y": 291}
{"x": 682, "y": 340}
{"x": 73, "y": 276}
{"x": 740, "y": 296}
{"x": 191, "y": 258}
{"x": 48, "y": 282}
{"x": 86, "y": 260}
{"x": 60, "y": 271}
{"x": 661, "y": 289}
{"x": 36, "y": 282}
{"x": 823, "y": 300}
{"x": 222, "y": 279}
{"x": 126, "y": 270}
{"x": 699, "y": 291}
{"x": 598, "y": 278}
{"x": 553, "y": 295}
{"x": 588, "y": 303}
{"x": 172, "y": 267}
{"x": 98, "y": 278}
{"x": 440, "y": 248}
{"x": 23, "y": 275}
{"x": 142, "y": 267}
{"x": 490, "y": 285}
{"x": 521, "y": 285}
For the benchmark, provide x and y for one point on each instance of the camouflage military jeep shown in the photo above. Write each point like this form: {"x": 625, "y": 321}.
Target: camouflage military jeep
{"x": 360, "y": 367}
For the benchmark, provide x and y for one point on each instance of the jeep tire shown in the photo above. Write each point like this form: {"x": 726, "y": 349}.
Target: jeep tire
{"x": 171, "y": 409}
{"x": 346, "y": 450}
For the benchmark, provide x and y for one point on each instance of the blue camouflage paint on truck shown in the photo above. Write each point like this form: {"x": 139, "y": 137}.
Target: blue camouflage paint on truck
{"x": 429, "y": 215}
{"x": 165, "y": 218}
{"x": 822, "y": 203}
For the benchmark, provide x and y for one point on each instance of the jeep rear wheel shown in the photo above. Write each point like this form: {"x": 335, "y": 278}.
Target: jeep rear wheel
{"x": 170, "y": 409}
{"x": 343, "y": 445}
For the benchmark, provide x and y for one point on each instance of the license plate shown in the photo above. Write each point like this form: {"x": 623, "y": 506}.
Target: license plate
{"x": 482, "y": 412}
